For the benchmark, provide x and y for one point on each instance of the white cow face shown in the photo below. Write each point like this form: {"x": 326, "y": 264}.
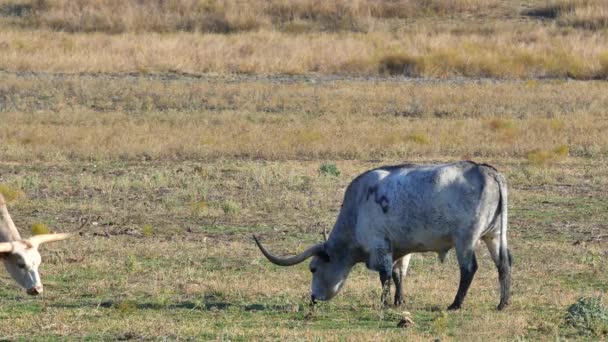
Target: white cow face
{"x": 22, "y": 264}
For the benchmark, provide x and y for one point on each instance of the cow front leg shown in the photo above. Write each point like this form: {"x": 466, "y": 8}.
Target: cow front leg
{"x": 399, "y": 271}
{"x": 468, "y": 267}
{"x": 382, "y": 261}
{"x": 385, "y": 279}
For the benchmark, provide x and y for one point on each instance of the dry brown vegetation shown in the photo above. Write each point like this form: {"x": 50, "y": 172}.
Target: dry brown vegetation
{"x": 228, "y": 16}
{"x": 135, "y": 117}
{"x": 587, "y": 14}
{"x": 126, "y": 123}
{"x": 472, "y": 38}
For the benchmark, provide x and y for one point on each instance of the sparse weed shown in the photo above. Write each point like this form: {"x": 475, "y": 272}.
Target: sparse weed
{"x": 230, "y": 207}
{"x": 126, "y": 307}
{"x": 329, "y": 169}
{"x": 589, "y": 316}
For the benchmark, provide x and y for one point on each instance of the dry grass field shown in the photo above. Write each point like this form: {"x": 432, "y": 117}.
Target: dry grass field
{"x": 164, "y": 179}
{"x": 486, "y": 38}
{"x": 165, "y": 133}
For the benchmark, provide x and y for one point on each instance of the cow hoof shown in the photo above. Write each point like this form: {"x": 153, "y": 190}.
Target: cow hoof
{"x": 399, "y": 301}
{"x": 453, "y": 307}
{"x": 501, "y": 306}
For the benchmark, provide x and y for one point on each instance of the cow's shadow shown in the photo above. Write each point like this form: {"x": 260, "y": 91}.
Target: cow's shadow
{"x": 180, "y": 305}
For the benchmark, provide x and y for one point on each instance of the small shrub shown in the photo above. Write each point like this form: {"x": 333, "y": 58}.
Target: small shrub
{"x": 147, "y": 230}
{"x": 501, "y": 124}
{"x": 10, "y": 194}
{"x": 557, "y": 124}
{"x": 561, "y": 150}
{"x": 588, "y": 316}
{"x": 603, "y": 72}
{"x": 126, "y": 306}
{"x": 230, "y": 207}
{"x": 40, "y": 228}
{"x": 400, "y": 65}
{"x": 506, "y": 129}
{"x": 419, "y": 138}
{"x": 540, "y": 157}
{"x": 329, "y": 169}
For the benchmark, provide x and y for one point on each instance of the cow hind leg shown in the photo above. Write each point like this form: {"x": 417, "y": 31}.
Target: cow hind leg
{"x": 399, "y": 271}
{"x": 468, "y": 267}
{"x": 503, "y": 264}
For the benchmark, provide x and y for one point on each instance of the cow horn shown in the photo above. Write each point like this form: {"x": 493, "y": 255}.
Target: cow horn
{"x": 14, "y": 233}
{"x": 325, "y": 234}
{"x": 38, "y": 239}
{"x": 6, "y": 247}
{"x": 289, "y": 261}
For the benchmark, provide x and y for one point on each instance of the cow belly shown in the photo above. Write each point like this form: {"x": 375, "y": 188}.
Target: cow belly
{"x": 423, "y": 240}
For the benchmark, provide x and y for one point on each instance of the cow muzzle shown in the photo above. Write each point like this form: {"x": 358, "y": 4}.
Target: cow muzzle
{"x": 34, "y": 291}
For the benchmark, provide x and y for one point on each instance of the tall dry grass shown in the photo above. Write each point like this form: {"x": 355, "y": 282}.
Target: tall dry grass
{"x": 471, "y": 38}
{"x": 535, "y": 53}
{"x": 587, "y": 14}
{"x": 224, "y": 16}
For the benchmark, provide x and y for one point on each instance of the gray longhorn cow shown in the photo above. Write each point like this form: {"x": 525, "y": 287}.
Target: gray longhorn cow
{"x": 21, "y": 257}
{"x": 392, "y": 211}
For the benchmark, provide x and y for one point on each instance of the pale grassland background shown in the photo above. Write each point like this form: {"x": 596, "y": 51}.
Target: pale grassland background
{"x": 84, "y": 118}
{"x": 488, "y": 38}
{"x": 163, "y": 135}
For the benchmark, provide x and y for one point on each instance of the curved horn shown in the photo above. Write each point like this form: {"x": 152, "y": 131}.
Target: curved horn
{"x": 315, "y": 249}
{"x": 6, "y": 247}
{"x": 9, "y": 221}
{"x": 38, "y": 239}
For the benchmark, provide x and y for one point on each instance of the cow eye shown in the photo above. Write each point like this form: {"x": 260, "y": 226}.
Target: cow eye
{"x": 323, "y": 256}
{"x": 21, "y": 265}
{"x": 313, "y": 270}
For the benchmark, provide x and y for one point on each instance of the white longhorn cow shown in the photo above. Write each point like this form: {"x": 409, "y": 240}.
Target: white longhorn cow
{"x": 21, "y": 257}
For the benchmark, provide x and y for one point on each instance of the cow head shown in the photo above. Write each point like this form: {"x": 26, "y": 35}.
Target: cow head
{"x": 328, "y": 267}
{"x": 21, "y": 259}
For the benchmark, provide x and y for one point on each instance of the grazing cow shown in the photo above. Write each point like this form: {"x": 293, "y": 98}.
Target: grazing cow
{"x": 21, "y": 257}
{"x": 392, "y": 211}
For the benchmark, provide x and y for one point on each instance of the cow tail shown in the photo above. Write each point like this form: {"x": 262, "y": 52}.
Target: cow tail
{"x": 505, "y": 259}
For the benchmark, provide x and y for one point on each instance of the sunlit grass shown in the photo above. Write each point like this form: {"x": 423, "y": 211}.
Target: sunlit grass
{"x": 410, "y": 38}
{"x": 102, "y": 119}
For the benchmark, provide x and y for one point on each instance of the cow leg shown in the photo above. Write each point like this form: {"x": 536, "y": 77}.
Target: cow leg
{"x": 468, "y": 267}
{"x": 382, "y": 261}
{"x": 504, "y": 269}
{"x": 399, "y": 271}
